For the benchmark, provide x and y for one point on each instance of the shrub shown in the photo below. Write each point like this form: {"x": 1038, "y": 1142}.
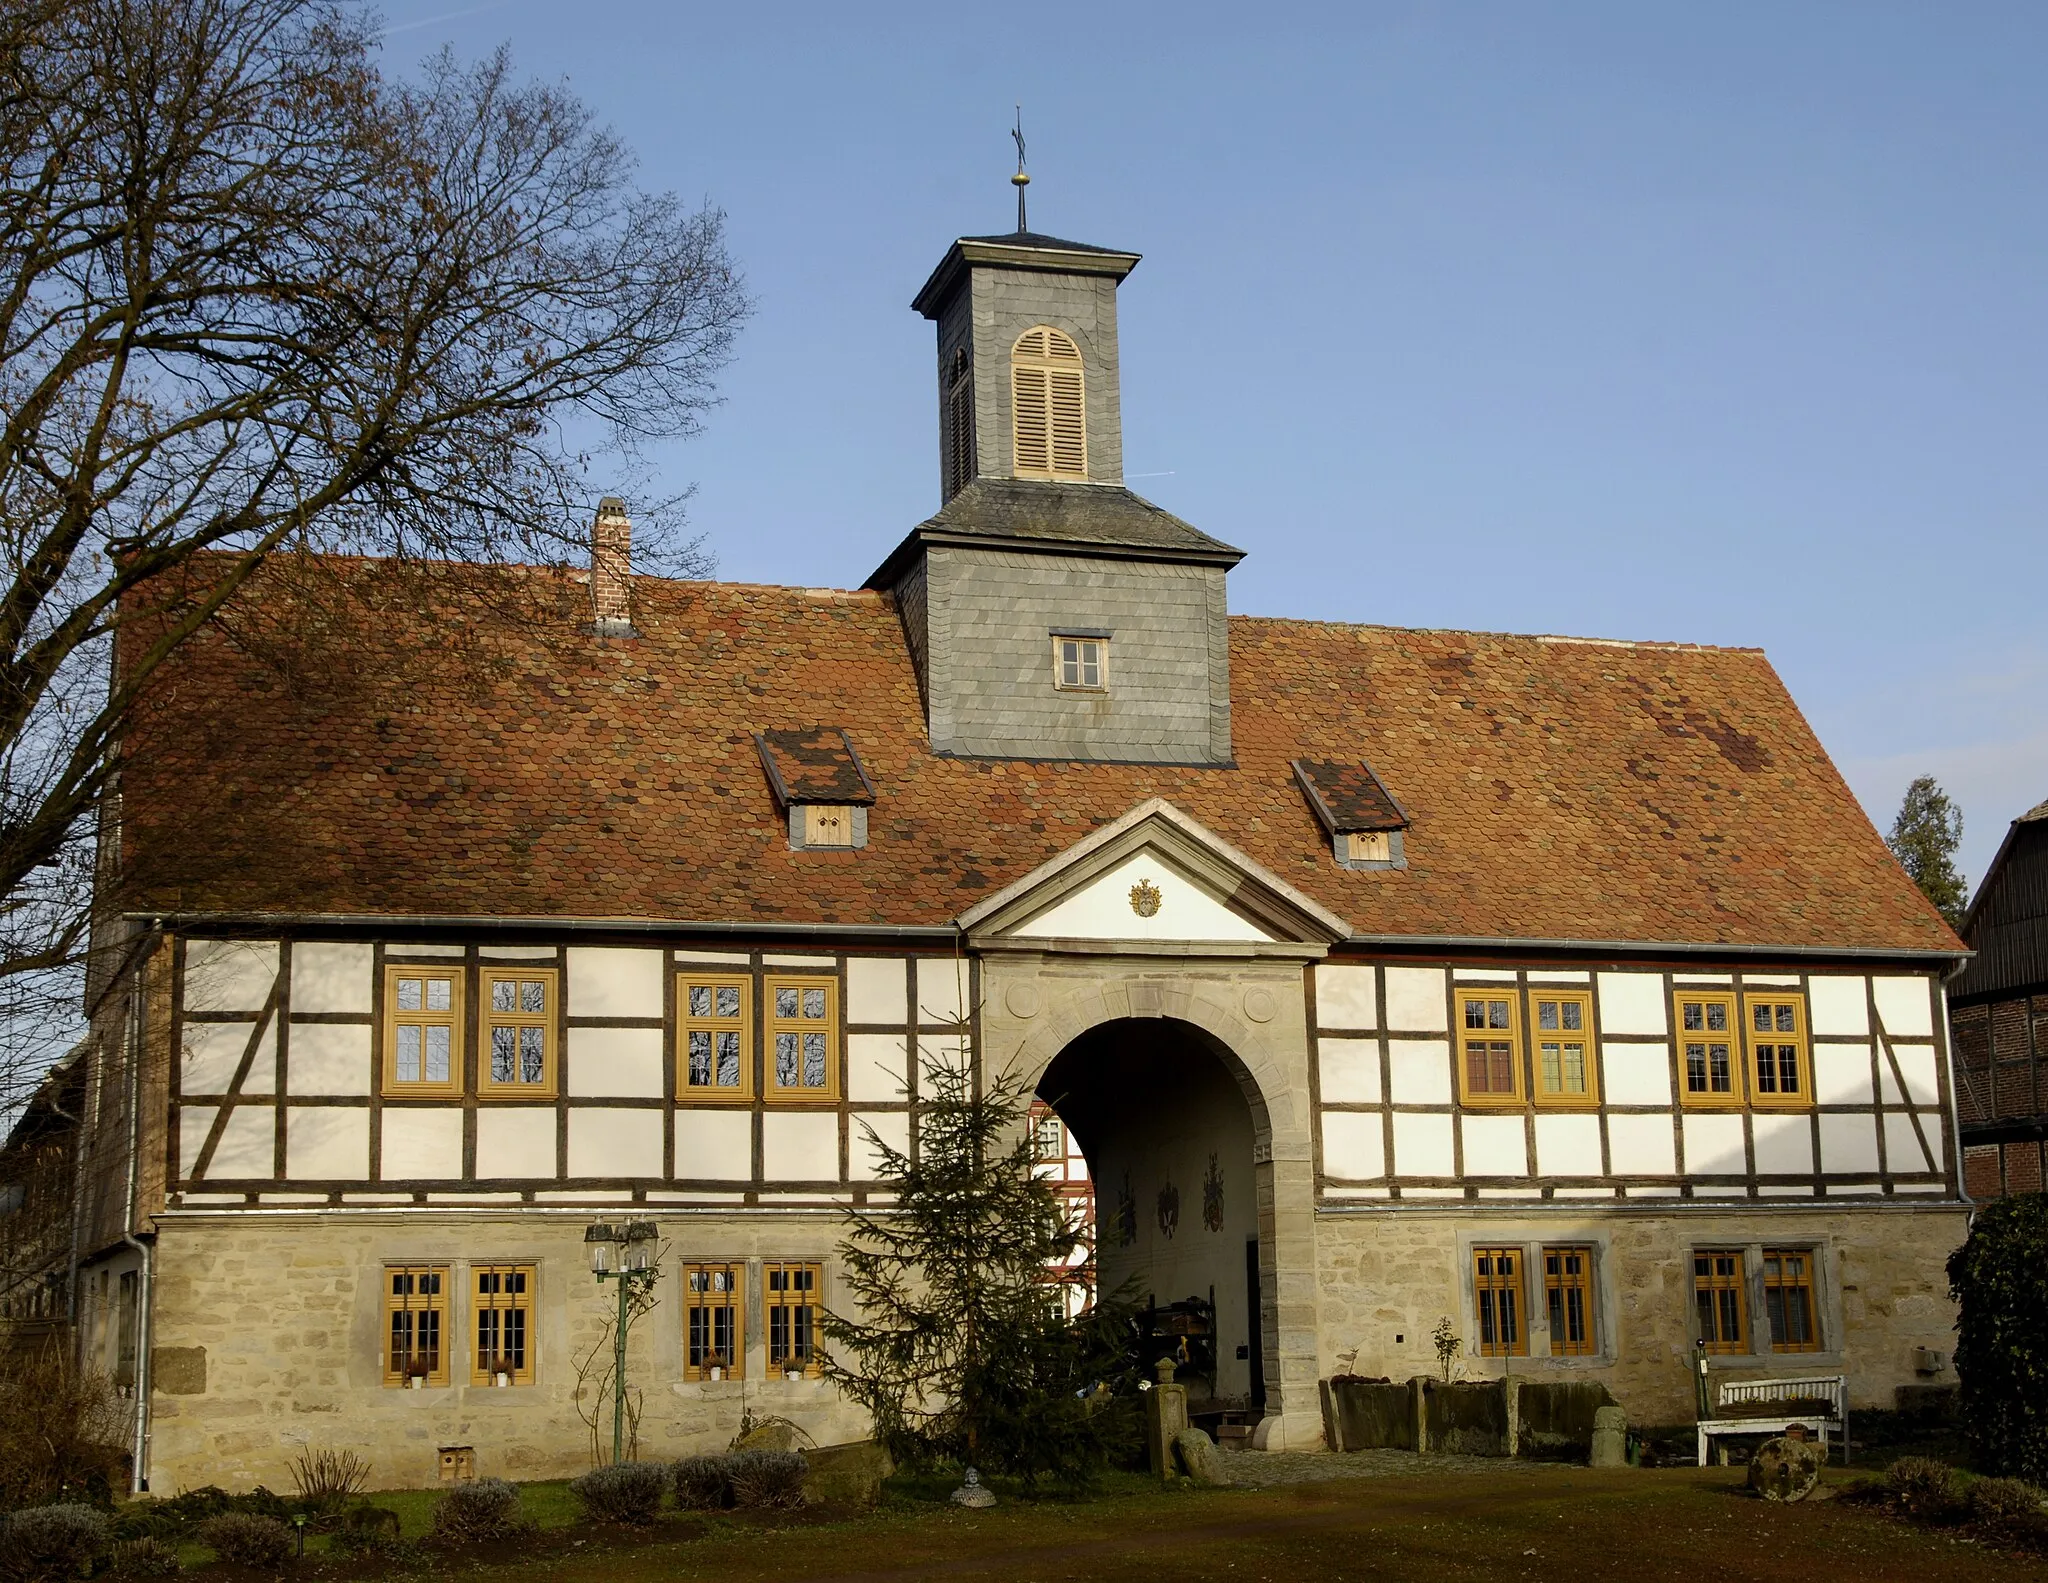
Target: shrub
{"x": 766, "y": 1478}
{"x": 2000, "y": 1280}
{"x": 625, "y": 1492}
{"x": 703, "y": 1483}
{"x": 365, "y": 1529}
{"x": 2006, "y": 1503}
{"x": 51, "y": 1542}
{"x": 248, "y": 1540}
{"x": 143, "y": 1558}
{"x": 478, "y": 1512}
{"x": 62, "y": 1431}
{"x": 1924, "y": 1487}
{"x": 329, "y": 1480}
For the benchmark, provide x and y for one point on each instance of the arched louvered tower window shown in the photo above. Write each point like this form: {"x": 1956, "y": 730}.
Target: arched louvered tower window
{"x": 1048, "y": 395}
{"x": 957, "y": 390}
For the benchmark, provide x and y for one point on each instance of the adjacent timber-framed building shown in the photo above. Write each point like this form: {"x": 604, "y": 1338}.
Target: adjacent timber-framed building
{"x": 1557, "y": 985}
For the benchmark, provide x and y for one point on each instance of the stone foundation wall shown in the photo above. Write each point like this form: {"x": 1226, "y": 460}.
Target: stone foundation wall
{"x": 268, "y": 1336}
{"x": 1881, "y": 1291}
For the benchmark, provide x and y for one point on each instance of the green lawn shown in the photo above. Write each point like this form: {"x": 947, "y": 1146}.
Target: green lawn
{"x": 1568, "y": 1524}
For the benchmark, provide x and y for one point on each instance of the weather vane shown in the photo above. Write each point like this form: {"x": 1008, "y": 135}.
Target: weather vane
{"x": 1020, "y": 181}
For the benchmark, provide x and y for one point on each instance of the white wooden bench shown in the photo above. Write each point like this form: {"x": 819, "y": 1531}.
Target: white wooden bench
{"x": 1756, "y": 1397}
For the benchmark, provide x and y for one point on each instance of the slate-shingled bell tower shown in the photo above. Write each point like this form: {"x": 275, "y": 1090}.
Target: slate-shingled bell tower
{"x": 1037, "y": 539}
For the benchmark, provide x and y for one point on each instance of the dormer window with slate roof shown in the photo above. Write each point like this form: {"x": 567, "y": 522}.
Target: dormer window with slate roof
{"x": 1365, "y": 823}
{"x": 818, "y": 781}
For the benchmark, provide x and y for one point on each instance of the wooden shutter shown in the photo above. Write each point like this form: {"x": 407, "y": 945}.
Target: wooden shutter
{"x": 1049, "y": 393}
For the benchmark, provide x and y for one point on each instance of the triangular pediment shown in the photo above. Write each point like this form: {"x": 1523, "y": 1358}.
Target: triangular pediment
{"x": 1154, "y": 875}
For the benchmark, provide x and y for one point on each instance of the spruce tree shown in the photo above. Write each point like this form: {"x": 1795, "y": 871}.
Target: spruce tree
{"x": 1924, "y": 839}
{"x": 955, "y": 1337}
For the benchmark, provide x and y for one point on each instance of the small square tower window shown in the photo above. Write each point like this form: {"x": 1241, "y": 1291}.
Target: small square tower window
{"x": 1080, "y": 664}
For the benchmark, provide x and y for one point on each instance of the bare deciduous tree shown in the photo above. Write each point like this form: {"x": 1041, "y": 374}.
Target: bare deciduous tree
{"x": 256, "y": 300}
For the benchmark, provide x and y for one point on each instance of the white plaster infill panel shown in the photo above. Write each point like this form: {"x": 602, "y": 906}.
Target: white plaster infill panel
{"x": 1642, "y": 1146}
{"x": 611, "y": 1143}
{"x": 1346, "y": 996}
{"x": 1903, "y": 1150}
{"x": 891, "y": 1127}
{"x": 1632, "y": 1003}
{"x": 800, "y": 1146}
{"x": 1422, "y": 1144}
{"x": 1713, "y": 1145}
{"x": 877, "y": 1068}
{"x": 329, "y": 1058}
{"x": 514, "y": 1143}
{"x": 1350, "y": 1071}
{"x": 247, "y": 1142}
{"x": 941, "y": 989}
{"x": 1566, "y": 1145}
{"x": 876, "y": 989}
{"x": 1497, "y": 1146}
{"x": 1838, "y": 1003}
{"x": 1415, "y": 1000}
{"x": 1916, "y": 1065}
{"x": 714, "y": 1145}
{"x": 332, "y": 976}
{"x": 213, "y": 1052}
{"x": 327, "y": 1143}
{"x": 1904, "y": 1007}
{"x": 1354, "y": 1147}
{"x": 1841, "y": 1074}
{"x": 422, "y": 1145}
{"x": 1421, "y": 1071}
{"x": 1784, "y": 1143}
{"x": 1111, "y": 907}
{"x": 614, "y": 981}
{"x": 1848, "y": 1143}
{"x": 229, "y": 975}
{"x": 616, "y": 1063}
{"x": 1635, "y": 1074}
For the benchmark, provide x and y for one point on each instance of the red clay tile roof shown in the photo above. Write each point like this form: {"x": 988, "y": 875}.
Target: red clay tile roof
{"x": 1559, "y": 789}
{"x": 1348, "y": 797}
{"x": 818, "y": 765}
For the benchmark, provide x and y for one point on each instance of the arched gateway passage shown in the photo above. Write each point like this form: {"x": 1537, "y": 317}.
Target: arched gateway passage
{"x": 1165, "y": 1115}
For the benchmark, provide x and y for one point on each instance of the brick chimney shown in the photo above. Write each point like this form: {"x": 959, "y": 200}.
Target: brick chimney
{"x": 611, "y": 569}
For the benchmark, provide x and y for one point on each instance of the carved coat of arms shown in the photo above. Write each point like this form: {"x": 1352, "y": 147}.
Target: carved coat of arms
{"x": 1145, "y": 898}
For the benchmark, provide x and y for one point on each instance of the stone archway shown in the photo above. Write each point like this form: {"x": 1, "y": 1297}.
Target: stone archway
{"x": 1247, "y": 1019}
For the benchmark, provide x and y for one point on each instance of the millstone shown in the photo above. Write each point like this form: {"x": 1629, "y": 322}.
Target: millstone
{"x": 1785, "y": 1469}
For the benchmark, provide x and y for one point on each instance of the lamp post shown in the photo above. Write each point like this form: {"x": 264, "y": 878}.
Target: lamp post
{"x": 624, "y": 1254}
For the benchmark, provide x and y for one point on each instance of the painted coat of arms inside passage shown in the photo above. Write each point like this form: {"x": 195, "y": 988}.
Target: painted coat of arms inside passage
{"x": 1144, "y": 898}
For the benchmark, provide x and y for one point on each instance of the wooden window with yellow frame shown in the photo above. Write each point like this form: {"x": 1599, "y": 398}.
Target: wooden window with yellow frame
{"x": 714, "y": 1321}
{"x": 1779, "y": 1072}
{"x": 1498, "y": 1295}
{"x": 1720, "y": 1300}
{"x": 518, "y": 1043}
{"x": 714, "y": 1032}
{"x": 416, "y": 1324}
{"x": 503, "y": 1323}
{"x": 1568, "y": 1299}
{"x": 1567, "y": 1061}
{"x": 1788, "y": 1300}
{"x": 793, "y": 1292}
{"x": 422, "y": 1031}
{"x": 803, "y": 1036}
{"x": 1489, "y": 1045}
{"x": 1709, "y": 1049}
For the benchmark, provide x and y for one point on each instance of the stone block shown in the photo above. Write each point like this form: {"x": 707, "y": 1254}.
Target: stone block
{"x": 178, "y": 1371}
{"x": 1200, "y": 1459}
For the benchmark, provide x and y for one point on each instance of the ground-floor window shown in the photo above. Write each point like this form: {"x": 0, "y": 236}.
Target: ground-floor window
{"x": 1718, "y": 1297}
{"x": 1568, "y": 1297}
{"x": 792, "y": 1309}
{"x": 1788, "y": 1300}
{"x": 714, "y": 1321}
{"x": 416, "y": 1324}
{"x": 504, "y": 1323}
{"x": 1497, "y": 1294}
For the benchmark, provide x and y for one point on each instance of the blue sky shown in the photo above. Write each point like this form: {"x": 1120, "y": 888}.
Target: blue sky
{"x": 1716, "y": 323}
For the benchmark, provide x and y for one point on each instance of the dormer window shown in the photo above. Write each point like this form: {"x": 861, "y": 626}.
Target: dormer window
{"x": 1366, "y": 826}
{"x": 1049, "y": 401}
{"x": 819, "y": 782}
{"x": 1080, "y": 662}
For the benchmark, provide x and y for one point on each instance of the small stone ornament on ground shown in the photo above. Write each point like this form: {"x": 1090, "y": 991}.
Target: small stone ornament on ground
{"x": 1785, "y": 1469}
{"x": 973, "y": 1493}
{"x": 1201, "y": 1458}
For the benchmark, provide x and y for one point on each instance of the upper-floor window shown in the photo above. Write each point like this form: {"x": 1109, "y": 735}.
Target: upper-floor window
{"x": 1567, "y": 1071}
{"x": 1489, "y": 1063}
{"x": 1048, "y": 396}
{"x": 712, "y": 1029}
{"x": 1777, "y": 1050}
{"x": 518, "y": 1033}
{"x": 1080, "y": 664}
{"x": 803, "y": 1037}
{"x": 422, "y": 1012}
